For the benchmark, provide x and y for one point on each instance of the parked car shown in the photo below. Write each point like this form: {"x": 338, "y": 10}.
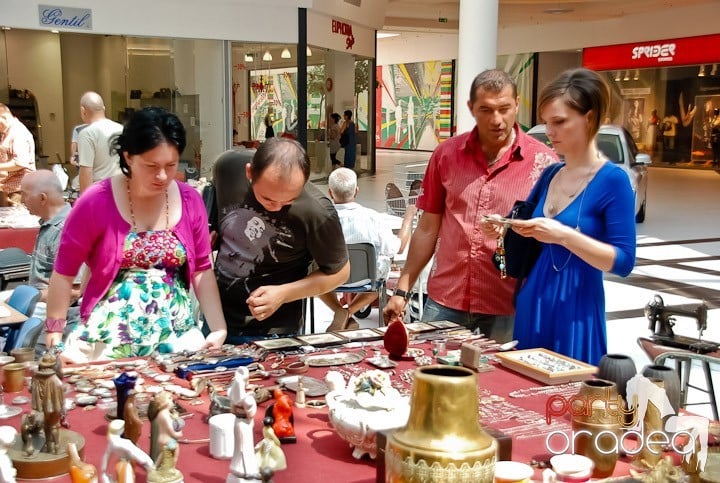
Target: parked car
{"x": 618, "y": 145}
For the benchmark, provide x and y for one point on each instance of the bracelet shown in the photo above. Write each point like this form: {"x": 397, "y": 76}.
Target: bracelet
{"x": 55, "y": 325}
{"x": 297, "y": 368}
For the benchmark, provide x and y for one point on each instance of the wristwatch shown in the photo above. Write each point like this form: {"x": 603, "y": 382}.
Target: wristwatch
{"x": 402, "y": 293}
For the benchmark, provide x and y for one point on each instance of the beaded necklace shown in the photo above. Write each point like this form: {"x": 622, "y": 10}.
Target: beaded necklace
{"x": 132, "y": 212}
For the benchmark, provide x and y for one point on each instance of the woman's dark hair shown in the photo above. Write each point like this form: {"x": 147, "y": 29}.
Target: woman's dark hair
{"x": 583, "y": 90}
{"x": 144, "y": 131}
{"x": 284, "y": 152}
{"x": 336, "y": 117}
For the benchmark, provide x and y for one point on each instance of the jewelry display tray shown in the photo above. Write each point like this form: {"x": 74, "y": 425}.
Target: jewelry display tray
{"x": 519, "y": 361}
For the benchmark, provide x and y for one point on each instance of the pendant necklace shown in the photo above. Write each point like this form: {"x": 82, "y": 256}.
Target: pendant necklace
{"x": 577, "y": 223}
{"x": 132, "y": 213}
{"x": 552, "y": 208}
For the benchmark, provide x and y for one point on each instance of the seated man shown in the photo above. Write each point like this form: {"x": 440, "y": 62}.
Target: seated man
{"x": 42, "y": 194}
{"x": 272, "y": 225}
{"x": 362, "y": 225}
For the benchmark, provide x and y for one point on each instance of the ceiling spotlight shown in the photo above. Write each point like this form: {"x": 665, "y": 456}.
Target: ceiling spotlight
{"x": 558, "y": 11}
{"x": 702, "y": 71}
{"x": 627, "y": 75}
{"x": 713, "y": 71}
{"x": 308, "y": 52}
{"x": 55, "y": 31}
{"x": 617, "y": 76}
{"x": 285, "y": 53}
{"x": 637, "y": 74}
{"x": 249, "y": 57}
{"x": 267, "y": 56}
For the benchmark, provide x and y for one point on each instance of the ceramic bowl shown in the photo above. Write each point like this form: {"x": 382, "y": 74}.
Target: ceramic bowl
{"x": 359, "y": 425}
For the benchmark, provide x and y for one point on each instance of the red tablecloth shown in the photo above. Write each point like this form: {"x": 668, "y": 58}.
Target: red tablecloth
{"x": 319, "y": 454}
{"x": 18, "y": 237}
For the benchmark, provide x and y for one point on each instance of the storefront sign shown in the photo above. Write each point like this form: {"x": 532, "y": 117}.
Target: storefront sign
{"x": 345, "y": 29}
{"x": 635, "y": 91}
{"x": 654, "y": 53}
{"x": 65, "y": 17}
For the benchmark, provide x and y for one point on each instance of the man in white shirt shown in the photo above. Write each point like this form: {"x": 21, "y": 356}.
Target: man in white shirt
{"x": 17, "y": 156}
{"x": 362, "y": 225}
{"x": 96, "y": 158}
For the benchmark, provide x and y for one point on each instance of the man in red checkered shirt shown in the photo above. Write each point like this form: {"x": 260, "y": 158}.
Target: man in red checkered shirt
{"x": 473, "y": 174}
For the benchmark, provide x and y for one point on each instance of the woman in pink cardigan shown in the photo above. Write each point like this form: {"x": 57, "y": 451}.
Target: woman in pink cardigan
{"x": 144, "y": 238}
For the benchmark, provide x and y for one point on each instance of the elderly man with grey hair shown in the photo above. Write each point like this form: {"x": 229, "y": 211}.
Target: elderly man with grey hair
{"x": 362, "y": 225}
{"x": 95, "y": 154}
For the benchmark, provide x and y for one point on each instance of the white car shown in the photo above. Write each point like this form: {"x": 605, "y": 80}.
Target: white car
{"x": 617, "y": 144}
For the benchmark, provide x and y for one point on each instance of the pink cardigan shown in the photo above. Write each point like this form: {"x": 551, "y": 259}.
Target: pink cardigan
{"x": 95, "y": 231}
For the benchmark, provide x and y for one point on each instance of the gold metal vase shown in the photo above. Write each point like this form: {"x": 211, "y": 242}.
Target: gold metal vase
{"x": 596, "y": 429}
{"x": 443, "y": 440}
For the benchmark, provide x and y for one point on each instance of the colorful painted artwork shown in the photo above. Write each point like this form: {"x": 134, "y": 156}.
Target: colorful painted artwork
{"x": 414, "y": 105}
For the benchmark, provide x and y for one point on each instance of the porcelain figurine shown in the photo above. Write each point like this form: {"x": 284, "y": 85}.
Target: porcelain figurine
{"x": 165, "y": 424}
{"x": 300, "y": 394}
{"x": 124, "y": 383}
{"x": 80, "y": 472}
{"x": 133, "y": 423}
{"x": 269, "y": 452}
{"x": 125, "y": 452}
{"x": 165, "y": 466}
{"x": 243, "y": 466}
{"x": 218, "y": 404}
{"x": 48, "y": 397}
{"x": 282, "y": 413}
{"x": 7, "y": 439}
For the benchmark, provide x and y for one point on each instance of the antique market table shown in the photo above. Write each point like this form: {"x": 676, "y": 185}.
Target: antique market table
{"x": 319, "y": 454}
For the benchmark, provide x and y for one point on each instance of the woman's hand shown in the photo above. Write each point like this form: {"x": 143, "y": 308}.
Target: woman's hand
{"x": 215, "y": 339}
{"x": 545, "y": 230}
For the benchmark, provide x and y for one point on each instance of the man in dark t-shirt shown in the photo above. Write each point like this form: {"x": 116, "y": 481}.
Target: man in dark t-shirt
{"x": 273, "y": 225}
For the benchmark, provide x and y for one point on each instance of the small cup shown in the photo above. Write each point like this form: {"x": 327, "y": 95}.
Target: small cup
{"x": 222, "y": 436}
{"x": 512, "y": 472}
{"x": 438, "y": 348}
{"x": 14, "y": 377}
{"x": 23, "y": 354}
{"x": 573, "y": 468}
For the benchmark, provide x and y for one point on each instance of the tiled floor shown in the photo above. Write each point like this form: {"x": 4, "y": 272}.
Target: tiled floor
{"x": 678, "y": 255}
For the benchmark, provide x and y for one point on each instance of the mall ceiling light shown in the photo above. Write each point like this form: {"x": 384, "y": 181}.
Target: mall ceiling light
{"x": 308, "y": 52}
{"x": 617, "y": 75}
{"x": 627, "y": 75}
{"x": 285, "y": 53}
{"x": 249, "y": 57}
{"x": 637, "y": 75}
{"x": 713, "y": 71}
{"x": 267, "y": 56}
{"x": 702, "y": 71}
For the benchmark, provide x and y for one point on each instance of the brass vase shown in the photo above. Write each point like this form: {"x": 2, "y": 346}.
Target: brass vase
{"x": 443, "y": 440}
{"x": 596, "y": 411}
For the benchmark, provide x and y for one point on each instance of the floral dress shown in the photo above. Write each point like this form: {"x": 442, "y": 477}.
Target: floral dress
{"x": 148, "y": 303}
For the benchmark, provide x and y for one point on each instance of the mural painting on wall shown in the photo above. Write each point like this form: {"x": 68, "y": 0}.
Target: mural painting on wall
{"x": 414, "y": 106}
{"x": 274, "y": 92}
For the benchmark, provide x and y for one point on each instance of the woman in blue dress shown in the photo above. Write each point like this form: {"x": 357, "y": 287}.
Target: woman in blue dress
{"x": 585, "y": 222}
{"x": 348, "y": 130}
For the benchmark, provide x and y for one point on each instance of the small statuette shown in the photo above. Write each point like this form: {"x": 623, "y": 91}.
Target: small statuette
{"x": 300, "y": 394}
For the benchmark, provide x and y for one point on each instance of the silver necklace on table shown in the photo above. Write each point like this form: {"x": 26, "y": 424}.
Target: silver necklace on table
{"x": 132, "y": 212}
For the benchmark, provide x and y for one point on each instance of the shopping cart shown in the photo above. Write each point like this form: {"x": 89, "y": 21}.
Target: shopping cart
{"x": 405, "y": 189}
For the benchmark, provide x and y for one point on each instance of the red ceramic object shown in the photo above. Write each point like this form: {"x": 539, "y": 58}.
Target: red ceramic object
{"x": 396, "y": 339}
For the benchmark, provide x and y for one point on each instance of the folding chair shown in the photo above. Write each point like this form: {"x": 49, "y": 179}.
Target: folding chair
{"x": 363, "y": 273}
{"x": 23, "y": 299}
{"x": 14, "y": 265}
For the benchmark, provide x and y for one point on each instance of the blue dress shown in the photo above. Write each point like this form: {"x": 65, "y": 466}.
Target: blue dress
{"x": 350, "y": 147}
{"x": 561, "y": 306}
